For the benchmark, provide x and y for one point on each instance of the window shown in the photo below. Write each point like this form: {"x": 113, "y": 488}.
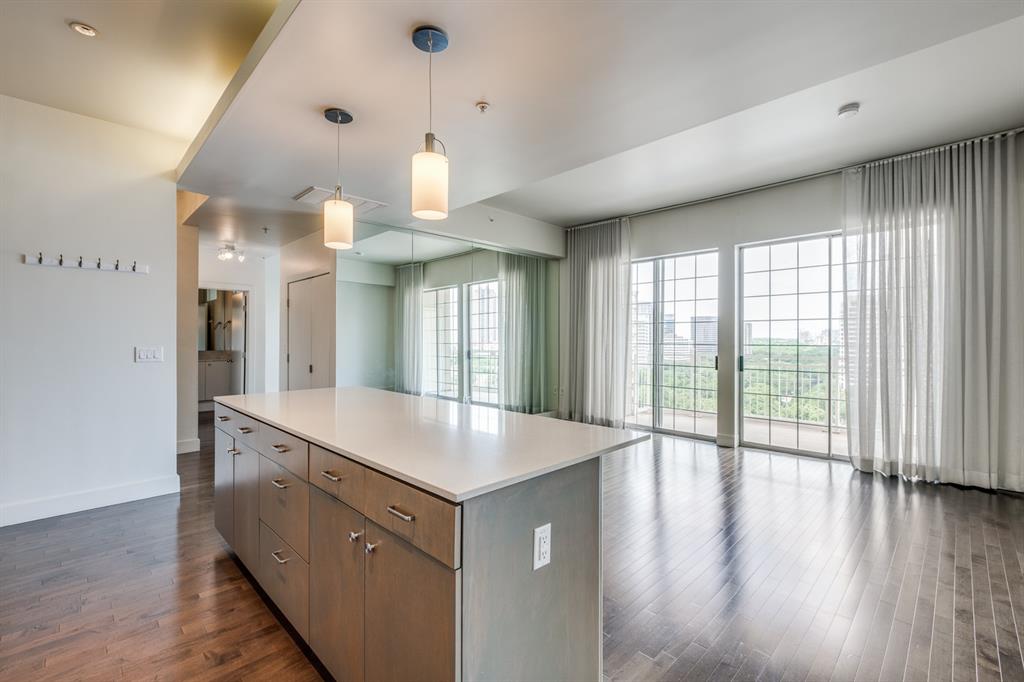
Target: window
{"x": 441, "y": 342}
{"x": 793, "y": 387}
{"x": 674, "y": 344}
{"x": 483, "y": 342}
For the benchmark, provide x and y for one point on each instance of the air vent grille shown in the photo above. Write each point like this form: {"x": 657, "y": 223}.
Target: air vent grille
{"x": 314, "y": 196}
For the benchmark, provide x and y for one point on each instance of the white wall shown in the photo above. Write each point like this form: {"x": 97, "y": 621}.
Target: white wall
{"x": 272, "y": 338}
{"x": 489, "y": 226}
{"x": 81, "y": 424}
{"x": 250, "y": 276}
{"x": 365, "y": 335}
{"x": 187, "y": 357}
{"x": 797, "y": 209}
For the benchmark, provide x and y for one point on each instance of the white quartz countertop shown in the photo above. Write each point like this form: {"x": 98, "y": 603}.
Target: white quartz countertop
{"x": 453, "y": 450}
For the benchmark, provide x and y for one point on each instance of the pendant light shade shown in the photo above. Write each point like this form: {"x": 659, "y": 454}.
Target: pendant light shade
{"x": 430, "y": 168}
{"x": 339, "y": 215}
{"x": 429, "y": 186}
{"x": 339, "y": 224}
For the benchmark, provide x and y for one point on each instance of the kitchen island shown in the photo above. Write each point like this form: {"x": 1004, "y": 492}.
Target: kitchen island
{"x": 403, "y": 537}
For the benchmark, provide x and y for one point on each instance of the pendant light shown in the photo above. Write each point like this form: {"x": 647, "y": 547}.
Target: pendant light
{"x": 430, "y": 168}
{"x": 339, "y": 219}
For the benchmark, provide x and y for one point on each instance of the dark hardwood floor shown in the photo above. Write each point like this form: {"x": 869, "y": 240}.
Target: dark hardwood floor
{"x": 719, "y": 564}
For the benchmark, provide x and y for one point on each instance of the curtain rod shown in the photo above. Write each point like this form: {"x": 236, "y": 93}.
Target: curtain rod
{"x": 811, "y": 176}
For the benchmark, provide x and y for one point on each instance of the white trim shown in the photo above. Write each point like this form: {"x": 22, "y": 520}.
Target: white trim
{"x": 188, "y": 445}
{"x": 46, "y": 507}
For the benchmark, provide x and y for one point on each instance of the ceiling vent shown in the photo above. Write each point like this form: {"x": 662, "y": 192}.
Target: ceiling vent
{"x": 315, "y": 196}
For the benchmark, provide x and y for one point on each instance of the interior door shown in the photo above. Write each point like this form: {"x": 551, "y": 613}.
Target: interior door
{"x": 310, "y": 335}
{"x": 238, "y": 342}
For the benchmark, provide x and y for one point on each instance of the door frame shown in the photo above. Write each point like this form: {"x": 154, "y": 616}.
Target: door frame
{"x": 741, "y": 344}
{"x": 288, "y": 327}
{"x": 247, "y": 375}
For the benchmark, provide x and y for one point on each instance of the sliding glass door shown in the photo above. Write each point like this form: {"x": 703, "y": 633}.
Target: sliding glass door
{"x": 674, "y": 344}
{"x": 483, "y": 342}
{"x": 793, "y": 388}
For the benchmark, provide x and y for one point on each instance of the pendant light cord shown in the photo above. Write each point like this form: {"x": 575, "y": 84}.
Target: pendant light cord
{"x": 430, "y": 82}
{"x": 337, "y": 186}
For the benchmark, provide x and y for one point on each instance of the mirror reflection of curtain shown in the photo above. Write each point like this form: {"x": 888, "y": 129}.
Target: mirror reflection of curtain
{"x": 522, "y": 315}
{"x": 599, "y": 273}
{"x": 408, "y": 327}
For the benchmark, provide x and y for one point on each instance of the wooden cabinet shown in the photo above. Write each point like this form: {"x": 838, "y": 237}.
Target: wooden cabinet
{"x": 426, "y": 521}
{"x": 336, "y": 561}
{"x": 410, "y": 611}
{"x": 285, "y": 577}
{"x": 224, "y": 485}
{"x": 246, "y": 503}
{"x": 284, "y": 505}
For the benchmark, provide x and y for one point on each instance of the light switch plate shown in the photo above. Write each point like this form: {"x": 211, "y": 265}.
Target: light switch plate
{"x": 149, "y": 353}
{"x": 541, "y": 546}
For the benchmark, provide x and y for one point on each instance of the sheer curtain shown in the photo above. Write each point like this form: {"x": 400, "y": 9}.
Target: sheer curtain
{"x": 522, "y": 315}
{"x": 935, "y": 314}
{"x": 408, "y": 328}
{"x": 598, "y": 288}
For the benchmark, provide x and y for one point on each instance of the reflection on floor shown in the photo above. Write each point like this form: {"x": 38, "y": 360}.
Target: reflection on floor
{"x": 744, "y": 565}
{"x": 724, "y": 564}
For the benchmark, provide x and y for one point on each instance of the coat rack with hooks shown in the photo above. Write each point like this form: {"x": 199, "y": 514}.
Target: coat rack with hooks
{"x": 80, "y": 263}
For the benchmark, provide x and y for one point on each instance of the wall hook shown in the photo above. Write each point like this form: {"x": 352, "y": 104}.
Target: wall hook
{"x": 60, "y": 260}
{"x": 134, "y": 263}
{"x": 40, "y": 257}
{"x": 79, "y": 261}
{"x": 99, "y": 263}
{"x": 117, "y": 264}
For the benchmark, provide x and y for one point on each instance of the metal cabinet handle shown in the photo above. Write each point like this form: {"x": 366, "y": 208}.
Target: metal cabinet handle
{"x": 331, "y": 477}
{"x": 279, "y": 559}
{"x": 276, "y": 482}
{"x": 354, "y": 535}
{"x": 234, "y": 451}
{"x": 405, "y": 517}
{"x": 370, "y": 546}
{"x": 280, "y": 447}
{"x": 244, "y": 429}
{"x": 222, "y": 417}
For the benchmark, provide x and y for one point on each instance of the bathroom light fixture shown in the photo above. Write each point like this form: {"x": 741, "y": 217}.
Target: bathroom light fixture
{"x": 226, "y": 252}
{"x": 84, "y": 29}
{"x": 338, "y": 213}
{"x": 429, "y": 168}
{"x": 848, "y": 110}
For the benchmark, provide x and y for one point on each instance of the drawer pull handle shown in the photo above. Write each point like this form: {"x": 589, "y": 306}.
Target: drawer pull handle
{"x": 244, "y": 429}
{"x": 277, "y": 558}
{"x": 331, "y": 477}
{"x": 276, "y": 482}
{"x": 370, "y": 546}
{"x": 280, "y": 447}
{"x": 405, "y": 517}
{"x": 353, "y": 535}
{"x": 234, "y": 451}
{"x": 222, "y": 417}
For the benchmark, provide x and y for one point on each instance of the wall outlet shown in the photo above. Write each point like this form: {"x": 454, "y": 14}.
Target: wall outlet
{"x": 541, "y": 546}
{"x": 149, "y": 353}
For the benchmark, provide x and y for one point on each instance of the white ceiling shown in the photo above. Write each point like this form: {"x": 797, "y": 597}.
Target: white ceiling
{"x": 964, "y": 87}
{"x": 158, "y": 65}
{"x": 396, "y": 247}
{"x": 570, "y": 84}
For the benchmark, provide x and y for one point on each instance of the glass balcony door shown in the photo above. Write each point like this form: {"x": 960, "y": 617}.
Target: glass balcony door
{"x": 793, "y": 389}
{"x": 674, "y": 344}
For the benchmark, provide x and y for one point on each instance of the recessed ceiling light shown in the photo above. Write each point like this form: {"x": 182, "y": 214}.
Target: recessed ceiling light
{"x": 849, "y": 110}
{"x": 84, "y": 29}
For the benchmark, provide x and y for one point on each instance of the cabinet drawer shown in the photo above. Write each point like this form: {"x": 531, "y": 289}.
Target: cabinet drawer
{"x": 285, "y": 577}
{"x": 325, "y": 467}
{"x": 428, "y": 522}
{"x": 239, "y": 426}
{"x": 285, "y": 449}
{"x": 284, "y": 505}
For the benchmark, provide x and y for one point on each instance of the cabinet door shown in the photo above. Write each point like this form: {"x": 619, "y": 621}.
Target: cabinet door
{"x": 218, "y": 379}
{"x": 336, "y": 560}
{"x": 410, "y": 611}
{"x": 223, "y": 485}
{"x": 247, "y": 507}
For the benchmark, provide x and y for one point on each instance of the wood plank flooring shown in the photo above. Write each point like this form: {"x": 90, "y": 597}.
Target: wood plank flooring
{"x": 719, "y": 565}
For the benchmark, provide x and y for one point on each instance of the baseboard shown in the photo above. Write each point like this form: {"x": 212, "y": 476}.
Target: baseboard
{"x": 726, "y": 440}
{"x": 46, "y": 507}
{"x": 188, "y": 445}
